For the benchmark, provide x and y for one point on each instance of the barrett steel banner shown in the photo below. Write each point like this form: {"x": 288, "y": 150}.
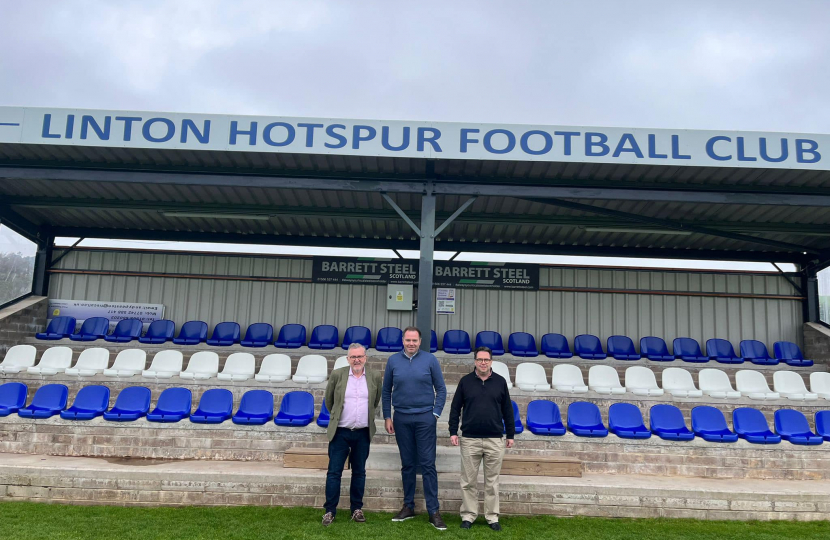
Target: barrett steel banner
{"x": 471, "y": 275}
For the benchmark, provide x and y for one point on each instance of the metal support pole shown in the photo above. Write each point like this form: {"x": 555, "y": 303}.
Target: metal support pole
{"x": 43, "y": 257}
{"x": 811, "y": 304}
{"x": 425, "y": 295}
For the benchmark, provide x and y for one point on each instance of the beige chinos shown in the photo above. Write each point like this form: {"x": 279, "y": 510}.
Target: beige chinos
{"x": 473, "y": 453}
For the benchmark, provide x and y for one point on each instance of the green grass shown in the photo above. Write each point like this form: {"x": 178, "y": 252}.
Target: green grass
{"x": 21, "y": 520}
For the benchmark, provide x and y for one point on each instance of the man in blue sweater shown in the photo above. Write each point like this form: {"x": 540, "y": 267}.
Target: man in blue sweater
{"x": 414, "y": 385}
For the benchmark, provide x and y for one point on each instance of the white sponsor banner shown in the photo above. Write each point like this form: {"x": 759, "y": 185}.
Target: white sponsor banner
{"x": 434, "y": 140}
{"x": 445, "y": 301}
{"x": 114, "y": 311}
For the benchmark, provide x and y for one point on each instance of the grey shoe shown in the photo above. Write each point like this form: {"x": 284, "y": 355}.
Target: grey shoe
{"x": 327, "y": 519}
{"x": 357, "y": 516}
{"x": 405, "y": 513}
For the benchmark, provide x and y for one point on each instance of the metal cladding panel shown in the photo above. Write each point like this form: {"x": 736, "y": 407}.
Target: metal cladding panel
{"x": 570, "y": 312}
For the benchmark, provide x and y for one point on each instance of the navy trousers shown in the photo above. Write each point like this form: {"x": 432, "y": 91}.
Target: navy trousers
{"x": 355, "y": 446}
{"x": 416, "y": 437}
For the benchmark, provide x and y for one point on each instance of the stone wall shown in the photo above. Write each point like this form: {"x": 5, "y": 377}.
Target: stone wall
{"x": 817, "y": 344}
{"x": 21, "y": 321}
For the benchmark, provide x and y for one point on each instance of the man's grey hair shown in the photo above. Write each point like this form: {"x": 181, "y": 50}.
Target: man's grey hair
{"x": 356, "y": 346}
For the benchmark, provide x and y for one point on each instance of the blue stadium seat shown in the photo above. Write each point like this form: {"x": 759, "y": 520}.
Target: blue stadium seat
{"x": 688, "y": 350}
{"x": 173, "y": 405}
{"x": 323, "y": 337}
{"x": 589, "y": 346}
{"x": 457, "y": 342}
{"x": 622, "y": 348}
{"x": 49, "y": 400}
{"x": 543, "y": 418}
{"x": 324, "y": 417}
{"x": 59, "y": 328}
{"x": 517, "y": 419}
{"x": 790, "y": 353}
{"x": 667, "y": 423}
{"x": 160, "y": 331}
{"x": 215, "y": 406}
{"x": 756, "y": 352}
{"x": 751, "y": 425}
{"x": 291, "y": 336}
{"x": 585, "y": 420}
{"x": 709, "y": 424}
{"x": 522, "y": 344}
{"x": 822, "y": 424}
{"x": 131, "y": 404}
{"x": 555, "y": 346}
{"x": 192, "y": 333}
{"x": 125, "y": 331}
{"x": 433, "y": 341}
{"x": 224, "y": 334}
{"x": 12, "y": 397}
{"x": 92, "y": 329}
{"x": 626, "y": 421}
{"x": 792, "y": 426}
{"x": 389, "y": 340}
{"x": 296, "y": 409}
{"x": 357, "y": 334}
{"x": 258, "y": 335}
{"x": 722, "y": 351}
{"x": 90, "y": 402}
{"x": 491, "y": 340}
{"x": 654, "y": 348}
{"x": 255, "y": 408}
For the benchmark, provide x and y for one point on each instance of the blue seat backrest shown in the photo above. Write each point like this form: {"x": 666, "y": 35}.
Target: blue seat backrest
{"x": 216, "y": 401}
{"x": 324, "y": 333}
{"x": 51, "y": 396}
{"x": 653, "y": 345}
{"x": 128, "y": 328}
{"x": 666, "y": 417}
{"x": 706, "y": 418}
{"x": 587, "y": 343}
{"x": 684, "y": 346}
{"x": 357, "y": 334}
{"x": 161, "y": 328}
{"x": 194, "y": 330}
{"x": 543, "y": 411}
{"x": 259, "y": 332}
{"x": 61, "y": 325}
{"x": 292, "y": 333}
{"x": 521, "y": 341}
{"x": 489, "y": 339}
{"x": 457, "y": 339}
{"x": 298, "y": 403}
{"x": 433, "y": 341}
{"x": 555, "y": 343}
{"x": 749, "y": 420}
{"x": 257, "y": 402}
{"x": 95, "y": 326}
{"x": 720, "y": 348}
{"x": 175, "y": 400}
{"x": 133, "y": 398}
{"x": 823, "y": 423}
{"x": 517, "y": 418}
{"x": 751, "y": 348}
{"x": 13, "y": 394}
{"x": 786, "y": 350}
{"x": 583, "y": 413}
{"x": 95, "y": 397}
{"x": 789, "y": 422}
{"x": 625, "y": 415}
{"x": 620, "y": 345}
{"x": 226, "y": 331}
{"x": 390, "y": 337}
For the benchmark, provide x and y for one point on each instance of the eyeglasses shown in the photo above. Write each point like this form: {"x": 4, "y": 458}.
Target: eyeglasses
{"x": 484, "y": 359}
{"x": 357, "y": 357}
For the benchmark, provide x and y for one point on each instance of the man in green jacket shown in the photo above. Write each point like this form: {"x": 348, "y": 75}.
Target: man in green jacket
{"x": 352, "y": 396}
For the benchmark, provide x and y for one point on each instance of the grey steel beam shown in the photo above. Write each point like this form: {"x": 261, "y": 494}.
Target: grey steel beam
{"x": 402, "y": 214}
{"x": 43, "y": 256}
{"x": 427, "y": 247}
{"x": 454, "y": 215}
{"x": 14, "y": 221}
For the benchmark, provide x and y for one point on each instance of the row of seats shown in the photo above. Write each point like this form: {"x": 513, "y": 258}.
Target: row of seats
{"x": 666, "y": 421}
{"x": 311, "y": 368}
{"x": 641, "y": 381}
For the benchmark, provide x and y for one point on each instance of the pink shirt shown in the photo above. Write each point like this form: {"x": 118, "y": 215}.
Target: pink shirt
{"x": 356, "y": 403}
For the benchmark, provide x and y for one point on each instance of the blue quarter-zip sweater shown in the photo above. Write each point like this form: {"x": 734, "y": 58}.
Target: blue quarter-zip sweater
{"x": 413, "y": 385}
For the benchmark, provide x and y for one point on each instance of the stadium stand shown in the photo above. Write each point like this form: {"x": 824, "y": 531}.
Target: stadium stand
{"x": 568, "y": 378}
{"x": 125, "y": 331}
{"x": 819, "y": 384}
{"x": 215, "y": 406}
{"x": 666, "y": 421}
{"x": 296, "y": 409}
{"x": 792, "y": 426}
{"x": 90, "y": 402}
{"x": 622, "y": 348}
{"x": 502, "y": 369}
{"x": 709, "y": 424}
{"x": 255, "y": 408}
{"x": 92, "y": 329}
{"x": 192, "y": 333}
{"x": 585, "y": 420}
{"x": 202, "y": 365}
{"x": 517, "y": 419}
{"x": 823, "y": 424}
{"x": 324, "y": 417}
{"x": 131, "y": 404}
{"x": 655, "y": 349}
{"x": 258, "y": 335}
{"x": 173, "y": 405}
{"x": 59, "y": 328}
{"x": 291, "y": 336}
{"x": 491, "y": 340}
{"x": 389, "y": 339}
{"x": 457, "y": 342}
{"x": 555, "y": 346}
{"x": 640, "y": 381}
{"x": 275, "y": 368}
{"x": 238, "y": 367}
{"x": 751, "y": 425}
{"x": 722, "y": 351}
{"x": 531, "y": 377}
{"x": 312, "y": 368}
{"x": 12, "y": 397}
{"x": 91, "y": 362}
{"x": 129, "y": 362}
{"x": 165, "y": 365}
{"x": 679, "y": 383}
{"x": 357, "y": 334}
{"x": 756, "y": 352}
{"x": 791, "y": 386}
{"x": 543, "y": 418}
{"x": 49, "y": 400}
{"x": 588, "y": 346}
{"x": 754, "y": 385}
{"x": 604, "y": 380}
{"x": 323, "y": 337}
{"x": 790, "y": 353}
{"x": 224, "y": 334}
{"x": 53, "y": 360}
{"x": 160, "y": 331}
{"x": 626, "y": 421}
{"x": 715, "y": 383}
{"x": 688, "y": 350}
{"x": 18, "y": 358}
{"x": 522, "y": 344}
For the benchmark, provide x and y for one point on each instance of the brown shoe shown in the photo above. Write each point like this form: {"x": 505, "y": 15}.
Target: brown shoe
{"x": 437, "y": 522}
{"x": 405, "y": 513}
{"x": 357, "y": 516}
{"x": 327, "y": 519}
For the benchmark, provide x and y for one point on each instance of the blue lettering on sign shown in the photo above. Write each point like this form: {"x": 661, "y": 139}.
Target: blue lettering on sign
{"x": 511, "y": 141}
{"x": 710, "y": 148}
{"x": 433, "y": 140}
{"x": 128, "y": 125}
{"x": 309, "y": 133}
{"x": 289, "y": 137}
{"x": 811, "y": 148}
{"x": 652, "y": 148}
{"x": 590, "y": 144}
{"x": 70, "y": 126}
{"x": 202, "y": 136}
{"x": 675, "y": 148}
{"x": 148, "y": 125}
{"x": 567, "y": 139}
{"x": 235, "y": 132}
{"x": 545, "y": 149}
{"x": 628, "y": 138}
{"x": 357, "y": 138}
{"x": 384, "y": 139}
{"x": 785, "y": 151}
{"x": 341, "y": 140}
{"x": 47, "y": 123}
{"x": 90, "y": 122}
{"x": 466, "y": 139}
{"x": 742, "y": 152}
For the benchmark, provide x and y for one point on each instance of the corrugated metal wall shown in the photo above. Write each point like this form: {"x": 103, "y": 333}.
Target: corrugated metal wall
{"x": 538, "y": 312}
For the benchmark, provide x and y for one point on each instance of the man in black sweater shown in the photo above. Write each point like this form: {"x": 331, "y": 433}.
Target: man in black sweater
{"x": 482, "y": 400}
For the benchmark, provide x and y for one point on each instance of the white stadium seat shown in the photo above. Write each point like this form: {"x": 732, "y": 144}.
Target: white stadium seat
{"x": 202, "y": 365}
{"x": 129, "y": 362}
{"x": 274, "y": 368}
{"x": 568, "y": 378}
{"x": 165, "y": 365}
{"x": 754, "y": 385}
{"x": 18, "y": 358}
{"x": 604, "y": 380}
{"x": 91, "y": 362}
{"x": 791, "y": 386}
{"x": 715, "y": 383}
{"x": 531, "y": 376}
{"x": 641, "y": 381}
{"x": 679, "y": 383}
{"x": 340, "y": 362}
{"x": 501, "y": 369}
{"x": 53, "y": 361}
{"x": 312, "y": 368}
{"x": 820, "y": 384}
{"x": 239, "y": 366}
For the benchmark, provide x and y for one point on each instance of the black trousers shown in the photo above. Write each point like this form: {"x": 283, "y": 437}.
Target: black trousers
{"x": 416, "y": 438}
{"x": 355, "y": 446}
